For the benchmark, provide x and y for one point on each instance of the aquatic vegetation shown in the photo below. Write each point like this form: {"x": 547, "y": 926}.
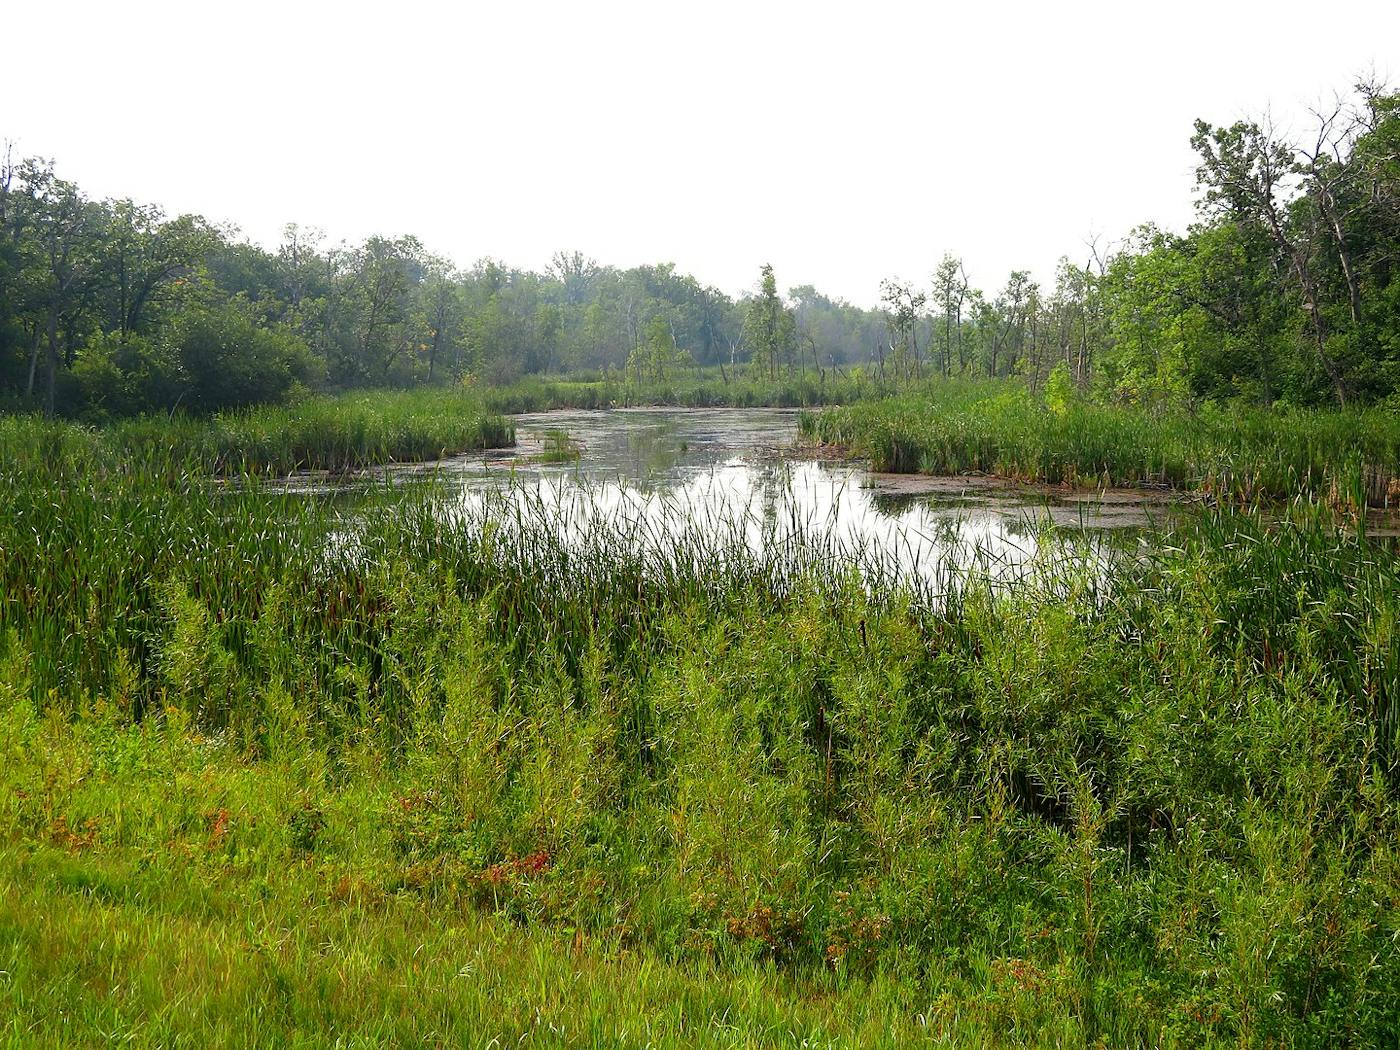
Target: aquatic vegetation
{"x": 711, "y": 387}
{"x": 275, "y": 749}
{"x": 558, "y": 447}
{"x": 347, "y": 432}
{"x": 1351, "y": 457}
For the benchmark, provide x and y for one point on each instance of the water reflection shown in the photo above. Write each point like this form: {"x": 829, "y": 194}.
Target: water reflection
{"x": 739, "y": 478}
{"x": 779, "y": 510}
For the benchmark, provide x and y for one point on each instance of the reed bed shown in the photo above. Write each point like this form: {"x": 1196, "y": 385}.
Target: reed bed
{"x": 342, "y": 433}
{"x": 692, "y": 388}
{"x": 406, "y": 764}
{"x": 1238, "y": 454}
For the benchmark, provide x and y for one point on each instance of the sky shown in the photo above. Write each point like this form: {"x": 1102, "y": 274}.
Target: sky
{"x": 840, "y": 142}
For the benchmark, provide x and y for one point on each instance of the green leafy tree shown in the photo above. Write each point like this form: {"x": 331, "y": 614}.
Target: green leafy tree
{"x": 950, "y": 290}
{"x": 904, "y": 307}
{"x": 657, "y": 354}
{"x": 228, "y": 360}
{"x": 145, "y": 262}
{"x": 769, "y": 325}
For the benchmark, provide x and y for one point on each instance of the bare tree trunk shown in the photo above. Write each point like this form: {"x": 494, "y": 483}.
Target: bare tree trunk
{"x": 433, "y": 353}
{"x": 1311, "y": 301}
{"x": 947, "y": 341}
{"x": 33, "y": 361}
{"x": 53, "y": 361}
{"x": 1313, "y": 306}
{"x": 1334, "y": 221}
{"x": 1035, "y": 353}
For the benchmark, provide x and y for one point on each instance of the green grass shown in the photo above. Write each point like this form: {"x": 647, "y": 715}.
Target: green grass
{"x": 188, "y": 935}
{"x": 346, "y": 432}
{"x": 1235, "y": 453}
{"x": 559, "y": 447}
{"x": 278, "y": 770}
{"x": 691, "y": 388}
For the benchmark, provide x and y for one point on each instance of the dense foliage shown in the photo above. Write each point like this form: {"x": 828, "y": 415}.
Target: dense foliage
{"x": 1286, "y": 289}
{"x": 1347, "y": 456}
{"x": 297, "y": 766}
{"x": 349, "y": 432}
{"x": 110, "y": 309}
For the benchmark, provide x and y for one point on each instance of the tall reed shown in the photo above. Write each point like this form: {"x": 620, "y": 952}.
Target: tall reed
{"x": 1150, "y": 806}
{"x": 1234, "y": 453}
{"x": 348, "y": 432}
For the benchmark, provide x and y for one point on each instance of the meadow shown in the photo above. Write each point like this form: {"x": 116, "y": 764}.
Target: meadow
{"x": 279, "y": 770}
{"x": 1230, "y": 452}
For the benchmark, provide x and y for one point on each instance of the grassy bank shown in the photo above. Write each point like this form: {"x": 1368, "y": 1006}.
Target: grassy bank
{"x": 277, "y": 771}
{"x": 692, "y": 388}
{"x": 344, "y": 432}
{"x": 1233, "y": 452}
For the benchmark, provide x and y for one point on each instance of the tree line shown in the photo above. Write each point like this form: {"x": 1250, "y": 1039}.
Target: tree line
{"x": 1285, "y": 289}
{"x": 111, "y": 308}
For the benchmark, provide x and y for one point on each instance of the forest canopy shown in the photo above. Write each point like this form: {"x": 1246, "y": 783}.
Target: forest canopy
{"x": 1284, "y": 290}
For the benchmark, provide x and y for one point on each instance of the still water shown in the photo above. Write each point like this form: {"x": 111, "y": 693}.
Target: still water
{"x": 744, "y": 476}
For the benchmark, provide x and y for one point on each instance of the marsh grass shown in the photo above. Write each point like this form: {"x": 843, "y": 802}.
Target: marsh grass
{"x": 558, "y": 447}
{"x": 1350, "y": 458}
{"x": 347, "y": 432}
{"x": 709, "y": 387}
{"x": 274, "y": 768}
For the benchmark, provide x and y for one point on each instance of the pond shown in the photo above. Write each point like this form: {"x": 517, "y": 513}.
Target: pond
{"x": 661, "y": 472}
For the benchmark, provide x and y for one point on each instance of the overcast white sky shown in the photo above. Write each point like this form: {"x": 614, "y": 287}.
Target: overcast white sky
{"x": 843, "y": 142}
